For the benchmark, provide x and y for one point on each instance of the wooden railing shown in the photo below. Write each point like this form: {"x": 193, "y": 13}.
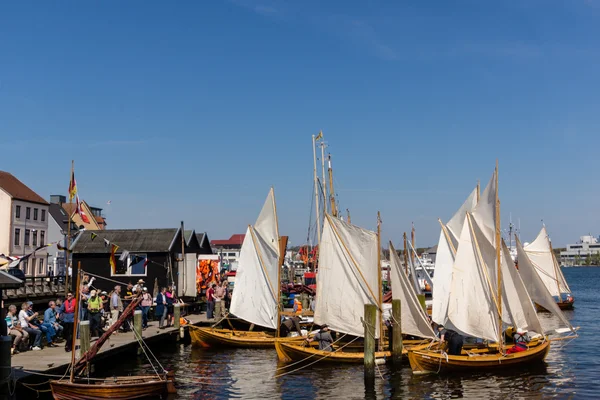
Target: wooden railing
{"x": 37, "y": 287}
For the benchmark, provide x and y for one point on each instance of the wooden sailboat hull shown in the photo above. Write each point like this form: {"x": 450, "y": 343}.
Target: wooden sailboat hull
{"x": 426, "y": 361}
{"x": 291, "y": 352}
{"x": 207, "y": 337}
{"x": 119, "y": 388}
{"x": 563, "y": 305}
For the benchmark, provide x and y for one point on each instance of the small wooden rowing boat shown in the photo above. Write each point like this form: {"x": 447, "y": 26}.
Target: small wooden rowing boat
{"x": 207, "y": 337}
{"x": 121, "y": 388}
{"x": 428, "y": 361}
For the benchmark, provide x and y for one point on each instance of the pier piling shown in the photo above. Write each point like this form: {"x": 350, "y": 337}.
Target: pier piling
{"x": 137, "y": 326}
{"x": 176, "y": 316}
{"x": 370, "y": 320}
{"x": 5, "y": 364}
{"x": 396, "y": 332}
{"x": 84, "y": 336}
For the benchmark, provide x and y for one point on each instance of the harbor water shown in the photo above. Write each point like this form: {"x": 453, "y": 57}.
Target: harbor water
{"x": 571, "y": 371}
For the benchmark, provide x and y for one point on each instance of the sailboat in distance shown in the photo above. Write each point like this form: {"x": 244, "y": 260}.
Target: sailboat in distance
{"x": 542, "y": 257}
{"x": 255, "y": 298}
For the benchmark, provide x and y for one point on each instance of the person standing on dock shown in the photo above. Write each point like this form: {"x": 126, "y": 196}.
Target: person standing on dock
{"x": 94, "y": 307}
{"x": 161, "y": 307}
{"x": 220, "y": 292}
{"x": 170, "y": 295}
{"x": 210, "y": 302}
{"x": 128, "y": 298}
{"x": 146, "y": 304}
{"x": 116, "y": 305}
{"x": 67, "y": 310}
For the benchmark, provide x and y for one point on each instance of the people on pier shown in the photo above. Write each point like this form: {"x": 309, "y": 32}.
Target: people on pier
{"x": 127, "y": 298}
{"x": 50, "y": 318}
{"x": 46, "y": 328}
{"x": 170, "y": 295}
{"x": 20, "y": 336}
{"x": 210, "y": 301}
{"x": 288, "y": 325}
{"x": 454, "y": 340}
{"x": 220, "y": 292}
{"x": 146, "y": 304}
{"x": 67, "y": 310}
{"x": 116, "y": 305}
{"x": 324, "y": 338}
{"x": 35, "y": 333}
{"x": 161, "y": 307}
{"x": 94, "y": 307}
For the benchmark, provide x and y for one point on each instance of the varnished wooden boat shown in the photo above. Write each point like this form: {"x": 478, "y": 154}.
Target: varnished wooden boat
{"x": 427, "y": 361}
{"x": 563, "y": 305}
{"x": 207, "y": 337}
{"x": 117, "y": 388}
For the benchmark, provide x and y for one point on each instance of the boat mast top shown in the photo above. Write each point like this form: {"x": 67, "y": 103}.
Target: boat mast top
{"x": 334, "y": 210}
{"x": 316, "y": 184}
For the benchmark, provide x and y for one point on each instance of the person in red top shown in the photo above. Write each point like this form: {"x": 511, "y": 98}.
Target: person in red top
{"x": 210, "y": 301}
{"x": 67, "y": 313}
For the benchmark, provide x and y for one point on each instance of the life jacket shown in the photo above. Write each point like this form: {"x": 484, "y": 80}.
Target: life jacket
{"x": 298, "y": 305}
{"x": 69, "y": 306}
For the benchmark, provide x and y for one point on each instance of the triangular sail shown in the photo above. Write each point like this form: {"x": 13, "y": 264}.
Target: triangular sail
{"x": 348, "y": 276}
{"x": 535, "y": 286}
{"x": 516, "y": 300}
{"x": 485, "y": 211}
{"x": 414, "y": 321}
{"x": 472, "y": 307}
{"x": 444, "y": 259}
{"x": 266, "y": 223}
{"x": 255, "y": 298}
{"x": 540, "y": 255}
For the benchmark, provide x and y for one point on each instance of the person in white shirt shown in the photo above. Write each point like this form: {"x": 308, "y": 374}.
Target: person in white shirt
{"x": 33, "y": 331}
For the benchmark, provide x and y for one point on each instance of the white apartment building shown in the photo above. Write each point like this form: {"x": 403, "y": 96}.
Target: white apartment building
{"x": 23, "y": 224}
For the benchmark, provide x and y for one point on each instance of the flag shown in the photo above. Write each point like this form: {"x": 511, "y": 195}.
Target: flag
{"x": 94, "y": 236}
{"x": 72, "y": 186}
{"x": 60, "y": 247}
{"x": 113, "y": 261}
{"x": 146, "y": 262}
{"x": 79, "y": 210}
{"x": 319, "y": 136}
{"x": 106, "y": 242}
{"x": 124, "y": 255}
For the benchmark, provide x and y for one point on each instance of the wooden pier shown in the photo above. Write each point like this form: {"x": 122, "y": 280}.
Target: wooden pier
{"x": 55, "y": 360}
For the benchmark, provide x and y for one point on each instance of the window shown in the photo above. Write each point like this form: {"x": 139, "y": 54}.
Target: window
{"x": 26, "y": 237}
{"x": 34, "y": 237}
{"x": 18, "y": 212}
{"x": 43, "y": 215}
{"x": 35, "y": 214}
{"x": 134, "y": 265}
{"x": 28, "y": 213}
{"x": 577, "y": 247}
{"x": 40, "y": 266}
{"x": 17, "y": 236}
{"x": 42, "y": 238}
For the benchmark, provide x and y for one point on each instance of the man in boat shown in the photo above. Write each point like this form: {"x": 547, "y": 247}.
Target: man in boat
{"x": 521, "y": 339}
{"x": 324, "y": 338}
{"x": 454, "y": 340}
{"x": 288, "y": 325}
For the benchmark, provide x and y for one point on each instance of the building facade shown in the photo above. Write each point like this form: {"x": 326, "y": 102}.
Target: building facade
{"x": 229, "y": 250}
{"x": 584, "y": 252}
{"x": 23, "y": 225}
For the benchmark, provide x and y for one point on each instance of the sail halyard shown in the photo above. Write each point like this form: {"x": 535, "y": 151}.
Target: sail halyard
{"x": 347, "y": 276}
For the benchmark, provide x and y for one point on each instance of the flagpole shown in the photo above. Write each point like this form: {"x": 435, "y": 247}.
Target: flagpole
{"x": 67, "y": 260}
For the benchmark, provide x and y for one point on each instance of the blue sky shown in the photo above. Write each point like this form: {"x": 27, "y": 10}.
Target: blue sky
{"x": 193, "y": 110}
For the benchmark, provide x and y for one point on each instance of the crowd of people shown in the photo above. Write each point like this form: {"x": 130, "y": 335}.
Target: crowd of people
{"x": 27, "y": 328}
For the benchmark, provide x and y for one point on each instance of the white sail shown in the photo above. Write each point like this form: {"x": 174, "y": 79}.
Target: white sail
{"x": 516, "y": 298}
{"x": 442, "y": 279}
{"x": 348, "y": 276}
{"x": 255, "y": 298}
{"x": 455, "y": 224}
{"x": 535, "y": 286}
{"x": 485, "y": 211}
{"x": 413, "y": 321}
{"x": 266, "y": 223}
{"x": 540, "y": 255}
{"x": 472, "y": 307}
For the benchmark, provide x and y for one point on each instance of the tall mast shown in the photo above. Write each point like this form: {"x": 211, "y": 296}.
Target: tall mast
{"x": 67, "y": 258}
{"x": 379, "y": 281}
{"x": 412, "y": 241}
{"x": 314, "y": 142}
{"x": 324, "y": 182}
{"x": 405, "y": 256}
{"x": 278, "y": 266}
{"x": 478, "y": 190}
{"x": 76, "y": 320}
{"x": 498, "y": 264}
{"x": 331, "y": 191}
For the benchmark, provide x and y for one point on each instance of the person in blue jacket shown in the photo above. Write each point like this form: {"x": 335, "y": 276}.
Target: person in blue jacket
{"x": 161, "y": 307}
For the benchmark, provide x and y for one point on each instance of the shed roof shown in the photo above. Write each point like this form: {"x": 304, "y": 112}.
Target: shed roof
{"x": 133, "y": 240}
{"x": 18, "y": 190}
{"x": 7, "y": 281}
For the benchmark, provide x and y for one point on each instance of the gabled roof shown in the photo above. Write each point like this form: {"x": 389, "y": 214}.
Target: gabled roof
{"x": 92, "y": 225}
{"x": 7, "y": 281}
{"x": 18, "y": 190}
{"x": 59, "y": 215}
{"x": 236, "y": 239}
{"x": 133, "y": 240}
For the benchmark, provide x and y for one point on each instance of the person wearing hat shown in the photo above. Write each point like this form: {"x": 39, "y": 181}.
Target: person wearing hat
{"x": 288, "y": 325}
{"x": 324, "y": 338}
{"x": 146, "y": 304}
{"x": 453, "y": 338}
{"x": 138, "y": 286}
